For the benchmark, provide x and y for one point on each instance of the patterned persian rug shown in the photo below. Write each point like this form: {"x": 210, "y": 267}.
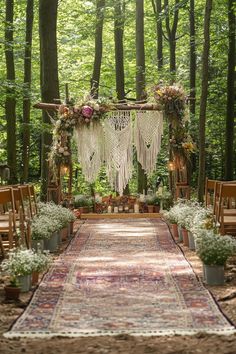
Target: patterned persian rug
{"x": 121, "y": 276}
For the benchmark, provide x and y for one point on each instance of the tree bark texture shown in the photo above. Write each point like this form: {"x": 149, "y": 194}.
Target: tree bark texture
{"x": 159, "y": 36}
{"x": 10, "y": 104}
{"x": 119, "y": 49}
{"x": 140, "y": 77}
{"x": 49, "y": 74}
{"x": 95, "y": 80}
{"x": 192, "y": 78}
{"x": 157, "y": 8}
{"x": 171, "y": 31}
{"x": 27, "y": 86}
{"x": 140, "y": 52}
{"x": 230, "y": 114}
{"x": 203, "y": 100}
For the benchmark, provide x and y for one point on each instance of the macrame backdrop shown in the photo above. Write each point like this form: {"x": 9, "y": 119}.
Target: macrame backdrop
{"x": 118, "y": 149}
{"x": 90, "y": 143}
{"x": 147, "y": 138}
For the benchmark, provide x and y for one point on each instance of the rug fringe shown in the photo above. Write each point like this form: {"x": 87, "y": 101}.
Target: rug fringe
{"x": 225, "y": 332}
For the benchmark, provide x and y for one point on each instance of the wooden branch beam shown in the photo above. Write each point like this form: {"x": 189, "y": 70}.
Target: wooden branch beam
{"x": 127, "y": 107}
{"x": 51, "y": 106}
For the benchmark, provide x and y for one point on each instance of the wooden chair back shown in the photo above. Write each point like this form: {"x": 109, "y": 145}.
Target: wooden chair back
{"x": 33, "y": 202}
{"x": 8, "y": 223}
{"x": 25, "y": 199}
{"x": 217, "y": 192}
{"x": 209, "y": 191}
{"x": 227, "y": 197}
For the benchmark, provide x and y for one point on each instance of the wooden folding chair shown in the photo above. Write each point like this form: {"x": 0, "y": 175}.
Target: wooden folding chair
{"x": 217, "y": 197}
{"x": 32, "y": 199}
{"x": 209, "y": 191}
{"x": 227, "y": 208}
{"x": 22, "y": 217}
{"x": 8, "y": 234}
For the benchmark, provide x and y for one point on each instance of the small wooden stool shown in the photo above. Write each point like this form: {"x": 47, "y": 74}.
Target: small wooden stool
{"x": 182, "y": 191}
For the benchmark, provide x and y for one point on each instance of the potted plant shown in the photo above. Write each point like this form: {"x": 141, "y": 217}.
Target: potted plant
{"x": 12, "y": 290}
{"x": 19, "y": 266}
{"x": 82, "y": 203}
{"x": 45, "y": 229}
{"x": 156, "y": 203}
{"x": 57, "y": 223}
{"x": 171, "y": 217}
{"x": 214, "y": 250}
{"x": 150, "y": 203}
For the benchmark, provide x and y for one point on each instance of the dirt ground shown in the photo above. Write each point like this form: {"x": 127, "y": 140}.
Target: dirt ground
{"x": 200, "y": 343}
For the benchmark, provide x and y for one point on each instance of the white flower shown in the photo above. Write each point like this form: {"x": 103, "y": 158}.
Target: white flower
{"x": 96, "y": 107}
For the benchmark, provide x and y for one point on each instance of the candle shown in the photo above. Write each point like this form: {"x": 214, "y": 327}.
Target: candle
{"x": 116, "y": 209}
{"x": 126, "y": 208}
{"x": 120, "y": 208}
{"x": 109, "y": 209}
{"x": 136, "y": 208}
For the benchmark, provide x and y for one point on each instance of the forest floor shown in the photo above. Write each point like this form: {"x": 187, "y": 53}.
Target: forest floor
{"x": 125, "y": 344}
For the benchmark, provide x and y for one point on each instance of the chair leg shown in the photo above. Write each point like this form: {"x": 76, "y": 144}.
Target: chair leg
{"x": 22, "y": 228}
{"x": 2, "y": 247}
{"x": 28, "y": 235}
{"x": 10, "y": 234}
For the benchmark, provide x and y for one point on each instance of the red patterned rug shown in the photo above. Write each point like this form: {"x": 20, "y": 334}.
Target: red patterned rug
{"x": 121, "y": 276}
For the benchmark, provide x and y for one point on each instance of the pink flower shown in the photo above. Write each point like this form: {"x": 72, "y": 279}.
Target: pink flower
{"x": 87, "y": 111}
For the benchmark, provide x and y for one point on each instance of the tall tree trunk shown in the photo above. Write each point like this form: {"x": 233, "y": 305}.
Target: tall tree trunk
{"x": 159, "y": 36}
{"x": 140, "y": 77}
{"x": 140, "y": 52}
{"x": 119, "y": 48}
{"x": 10, "y": 104}
{"x": 203, "y": 100}
{"x": 156, "y": 4}
{"x": 27, "y": 86}
{"x": 98, "y": 48}
{"x": 230, "y": 129}
{"x": 192, "y": 78}
{"x": 172, "y": 46}
{"x": 171, "y": 31}
{"x": 49, "y": 74}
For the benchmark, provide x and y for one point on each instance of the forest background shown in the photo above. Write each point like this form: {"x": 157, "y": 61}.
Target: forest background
{"x": 88, "y": 34}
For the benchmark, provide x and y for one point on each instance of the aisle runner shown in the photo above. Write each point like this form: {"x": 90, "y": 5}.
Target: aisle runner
{"x": 121, "y": 276}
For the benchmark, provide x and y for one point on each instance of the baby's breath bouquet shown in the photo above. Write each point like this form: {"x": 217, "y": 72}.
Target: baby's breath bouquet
{"x": 41, "y": 261}
{"x": 61, "y": 216}
{"x": 203, "y": 219}
{"x": 170, "y": 216}
{"x": 214, "y": 249}
{"x": 19, "y": 262}
{"x": 42, "y": 227}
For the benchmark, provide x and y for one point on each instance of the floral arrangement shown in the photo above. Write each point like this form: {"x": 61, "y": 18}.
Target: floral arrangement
{"x": 203, "y": 219}
{"x": 41, "y": 261}
{"x": 174, "y": 103}
{"x": 214, "y": 249}
{"x": 172, "y": 99}
{"x": 83, "y": 112}
{"x": 43, "y": 226}
{"x": 20, "y": 262}
{"x": 57, "y": 213}
{"x": 191, "y": 215}
{"x": 170, "y": 216}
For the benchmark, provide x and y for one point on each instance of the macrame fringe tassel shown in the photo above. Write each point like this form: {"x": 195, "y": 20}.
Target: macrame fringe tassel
{"x": 90, "y": 144}
{"x": 147, "y": 138}
{"x": 118, "y": 149}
